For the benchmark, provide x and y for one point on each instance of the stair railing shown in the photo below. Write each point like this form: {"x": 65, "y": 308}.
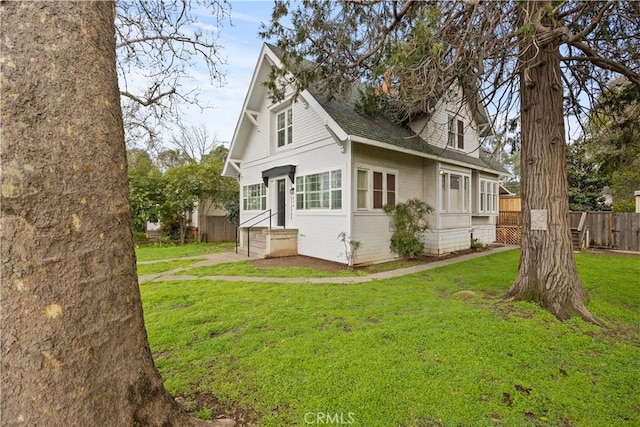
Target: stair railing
{"x": 259, "y": 218}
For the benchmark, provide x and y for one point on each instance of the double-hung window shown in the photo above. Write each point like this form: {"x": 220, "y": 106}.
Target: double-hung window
{"x": 488, "y": 196}
{"x": 454, "y": 191}
{"x": 319, "y": 191}
{"x": 284, "y": 127}
{"x": 363, "y": 189}
{"x": 382, "y": 190}
{"x": 254, "y": 197}
{"x": 455, "y": 133}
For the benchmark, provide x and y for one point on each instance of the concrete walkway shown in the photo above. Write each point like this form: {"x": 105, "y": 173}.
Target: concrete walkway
{"x": 212, "y": 259}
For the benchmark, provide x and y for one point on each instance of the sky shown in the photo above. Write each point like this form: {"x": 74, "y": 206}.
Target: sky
{"x": 241, "y": 47}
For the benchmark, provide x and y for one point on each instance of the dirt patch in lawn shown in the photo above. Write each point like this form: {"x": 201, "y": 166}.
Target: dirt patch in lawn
{"x": 301, "y": 261}
{"x": 215, "y": 409}
{"x": 335, "y": 267}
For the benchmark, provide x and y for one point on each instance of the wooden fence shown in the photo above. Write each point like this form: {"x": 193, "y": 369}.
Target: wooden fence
{"x": 510, "y": 203}
{"x": 217, "y": 229}
{"x": 611, "y": 230}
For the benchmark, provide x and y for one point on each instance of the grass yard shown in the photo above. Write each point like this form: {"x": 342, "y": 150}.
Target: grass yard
{"x": 411, "y": 351}
{"x": 247, "y": 268}
{"x": 166, "y": 251}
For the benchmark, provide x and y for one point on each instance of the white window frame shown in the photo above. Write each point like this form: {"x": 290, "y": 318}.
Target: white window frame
{"x": 454, "y": 134}
{"x": 362, "y": 189}
{"x": 327, "y": 186}
{"x": 286, "y": 127}
{"x": 370, "y": 191}
{"x": 254, "y": 195}
{"x": 488, "y": 190}
{"x": 445, "y": 192}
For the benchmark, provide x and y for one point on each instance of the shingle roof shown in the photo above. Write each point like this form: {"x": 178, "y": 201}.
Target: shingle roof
{"x": 382, "y": 130}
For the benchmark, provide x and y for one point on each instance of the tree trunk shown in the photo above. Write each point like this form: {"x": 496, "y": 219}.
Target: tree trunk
{"x": 74, "y": 347}
{"x": 547, "y": 272}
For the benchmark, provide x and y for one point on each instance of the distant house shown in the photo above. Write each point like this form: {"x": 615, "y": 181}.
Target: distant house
{"x": 322, "y": 169}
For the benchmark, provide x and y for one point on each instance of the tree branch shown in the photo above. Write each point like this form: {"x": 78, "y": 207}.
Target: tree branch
{"x": 148, "y": 101}
{"x": 606, "y": 63}
{"x": 592, "y": 25}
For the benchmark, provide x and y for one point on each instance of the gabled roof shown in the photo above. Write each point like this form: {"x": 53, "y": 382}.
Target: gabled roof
{"x": 344, "y": 122}
{"x": 385, "y": 131}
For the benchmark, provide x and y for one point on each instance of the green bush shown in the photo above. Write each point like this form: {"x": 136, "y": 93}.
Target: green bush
{"x": 477, "y": 245}
{"x": 409, "y": 224}
{"x": 139, "y": 236}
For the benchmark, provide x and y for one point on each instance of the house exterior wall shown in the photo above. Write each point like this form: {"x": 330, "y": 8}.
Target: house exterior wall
{"x": 313, "y": 150}
{"x": 439, "y": 242}
{"x": 420, "y": 178}
{"x": 373, "y": 227}
{"x": 485, "y": 233}
{"x": 434, "y": 129}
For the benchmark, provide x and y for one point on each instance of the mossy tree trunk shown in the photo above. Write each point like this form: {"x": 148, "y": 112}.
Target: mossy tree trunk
{"x": 547, "y": 273}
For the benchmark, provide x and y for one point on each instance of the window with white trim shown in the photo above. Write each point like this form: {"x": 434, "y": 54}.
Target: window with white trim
{"x": 254, "y": 197}
{"x": 284, "y": 127}
{"x": 363, "y": 189}
{"x": 319, "y": 191}
{"x": 455, "y": 192}
{"x": 382, "y": 191}
{"x": 488, "y": 196}
{"x": 455, "y": 133}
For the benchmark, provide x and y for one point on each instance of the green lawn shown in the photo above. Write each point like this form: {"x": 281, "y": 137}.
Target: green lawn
{"x": 410, "y": 351}
{"x": 247, "y": 268}
{"x": 165, "y": 251}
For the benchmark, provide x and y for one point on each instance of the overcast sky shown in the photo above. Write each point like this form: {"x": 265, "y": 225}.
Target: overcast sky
{"x": 241, "y": 47}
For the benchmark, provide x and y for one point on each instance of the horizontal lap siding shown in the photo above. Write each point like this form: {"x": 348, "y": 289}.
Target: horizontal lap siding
{"x": 439, "y": 242}
{"x": 434, "y": 130}
{"x": 258, "y": 146}
{"x": 485, "y": 233}
{"x": 373, "y": 228}
{"x": 318, "y": 236}
{"x": 373, "y": 232}
{"x": 313, "y": 150}
{"x": 410, "y": 169}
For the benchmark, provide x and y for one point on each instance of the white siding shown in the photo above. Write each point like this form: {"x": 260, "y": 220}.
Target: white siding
{"x": 258, "y": 140}
{"x": 373, "y": 228}
{"x": 313, "y": 150}
{"x": 318, "y": 236}
{"x": 435, "y": 130}
{"x": 438, "y": 242}
{"x": 485, "y": 233}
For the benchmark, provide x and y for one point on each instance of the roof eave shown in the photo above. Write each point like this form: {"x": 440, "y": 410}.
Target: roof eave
{"x": 374, "y": 143}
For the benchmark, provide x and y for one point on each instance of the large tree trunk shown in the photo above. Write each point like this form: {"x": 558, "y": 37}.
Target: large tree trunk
{"x": 547, "y": 272}
{"x": 74, "y": 347}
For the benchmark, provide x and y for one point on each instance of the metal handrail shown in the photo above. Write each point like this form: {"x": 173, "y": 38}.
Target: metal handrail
{"x": 253, "y": 225}
{"x": 249, "y": 220}
{"x": 271, "y": 215}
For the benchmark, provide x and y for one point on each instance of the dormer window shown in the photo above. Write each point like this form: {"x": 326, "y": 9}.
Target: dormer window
{"x": 455, "y": 136}
{"x": 284, "y": 127}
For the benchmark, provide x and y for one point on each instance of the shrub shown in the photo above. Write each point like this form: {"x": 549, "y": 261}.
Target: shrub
{"x": 139, "y": 236}
{"x": 350, "y": 248}
{"x": 477, "y": 245}
{"x": 409, "y": 224}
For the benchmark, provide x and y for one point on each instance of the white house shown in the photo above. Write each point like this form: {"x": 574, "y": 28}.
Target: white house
{"x": 322, "y": 169}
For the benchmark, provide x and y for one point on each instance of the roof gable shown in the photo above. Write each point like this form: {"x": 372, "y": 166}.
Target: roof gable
{"x": 344, "y": 122}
